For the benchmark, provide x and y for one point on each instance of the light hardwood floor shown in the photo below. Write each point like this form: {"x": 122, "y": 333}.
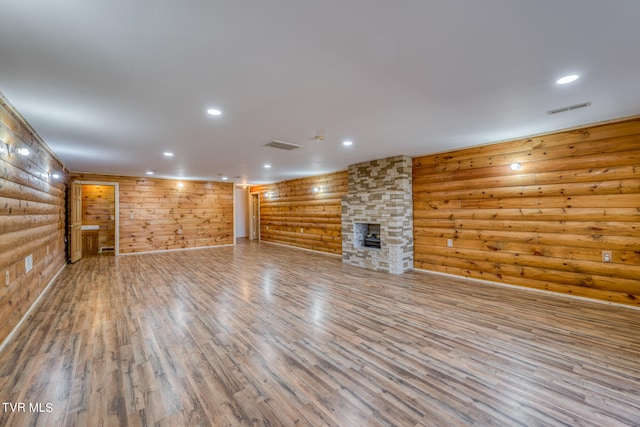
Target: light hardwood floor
{"x": 260, "y": 334}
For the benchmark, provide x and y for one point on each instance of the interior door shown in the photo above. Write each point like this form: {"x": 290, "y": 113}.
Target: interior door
{"x": 255, "y": 216}
{"x": 76, "y": 222}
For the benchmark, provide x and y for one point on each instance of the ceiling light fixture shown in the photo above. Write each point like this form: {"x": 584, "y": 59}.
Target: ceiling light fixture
{"x": 347, "y": 143}
{"x": 150, "y": 172}
{"x": 515, "y": 166}
{"x": 224, "y": 178}
{"x": 55, "y": 176}
{"x": 567, "y": 79}
{"x": 267, "y": 166}
{"x": 214, "y": 112}
{"x": 168, "y": 154}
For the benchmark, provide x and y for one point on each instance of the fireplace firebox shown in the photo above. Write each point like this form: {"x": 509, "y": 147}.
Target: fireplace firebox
{"x": 367, "y": 235}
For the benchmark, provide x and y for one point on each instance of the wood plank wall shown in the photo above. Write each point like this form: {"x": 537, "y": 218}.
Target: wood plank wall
{"x": 32, "y": 217}
{"x": 98, "y": 208}
{"x": 292, "y": 213}
{"x": 544, "y": 226}
{"x": 167, "y": 216}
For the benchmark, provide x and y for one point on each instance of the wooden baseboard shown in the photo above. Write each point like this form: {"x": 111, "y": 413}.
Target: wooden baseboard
{"x": 524, "y": 288}
{"x": 174, "y": 250}
{"x": 302, "y": 249}
{"x": 33, "y": 306}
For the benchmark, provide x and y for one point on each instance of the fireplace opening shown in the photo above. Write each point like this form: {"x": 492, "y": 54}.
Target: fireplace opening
{"x": 367, "y": 235}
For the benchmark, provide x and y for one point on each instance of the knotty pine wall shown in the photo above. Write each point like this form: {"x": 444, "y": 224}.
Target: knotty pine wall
{"x": 166, "y": 216}
{"x": 292, "y": 213}
{"x": 98, "y": 208}
{"x": 544, "y": 226}
{"x": 32, "y": 217}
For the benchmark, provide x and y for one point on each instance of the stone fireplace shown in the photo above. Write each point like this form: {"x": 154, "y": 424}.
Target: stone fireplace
{"x": 377, "y": 216}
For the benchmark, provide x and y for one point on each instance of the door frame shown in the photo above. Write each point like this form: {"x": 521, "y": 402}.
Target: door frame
{"x": 234, "y": 214}
{"x": 116, "y": 190}
{"x": 254, "y": 231}
{"x": 75, "y": 222}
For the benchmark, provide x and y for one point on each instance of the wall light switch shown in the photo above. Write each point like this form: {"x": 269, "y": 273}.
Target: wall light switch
{"x": 28, "y": 263}
{"x": 131, "y": 216}
{"x": 606, "y": 256}
{"x": 450, "y": 243}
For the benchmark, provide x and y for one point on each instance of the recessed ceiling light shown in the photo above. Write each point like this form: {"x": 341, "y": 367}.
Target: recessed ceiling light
{"x": 567, "y": 79}
{"x": 347, "y": 143}
{"x": 150, "y": 172}
{"x": 224, "y": 178}
{"x": 214, "y": 112}
{"x": 267, "y": 166}
{"x": 515, "y": 166}
{"x": 55, "y": 176}
{"x": 168, "y": 154}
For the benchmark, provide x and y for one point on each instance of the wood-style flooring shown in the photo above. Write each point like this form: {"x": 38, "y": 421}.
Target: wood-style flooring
{"x": 260, "y": 334}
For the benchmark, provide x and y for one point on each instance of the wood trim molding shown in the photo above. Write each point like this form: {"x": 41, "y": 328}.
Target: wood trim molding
{"x": 15, "y": 329}
{"x": 525, "y": 288}
{"x": 23, "y": 122}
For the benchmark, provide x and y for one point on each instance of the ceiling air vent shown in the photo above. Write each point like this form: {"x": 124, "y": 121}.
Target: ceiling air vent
{"x": 281, "y": 145}
{"x": 569, "y": 108}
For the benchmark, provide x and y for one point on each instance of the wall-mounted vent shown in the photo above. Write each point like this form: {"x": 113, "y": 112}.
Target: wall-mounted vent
{"x": 281, "y": 145}
{"x": 569, "y": 108}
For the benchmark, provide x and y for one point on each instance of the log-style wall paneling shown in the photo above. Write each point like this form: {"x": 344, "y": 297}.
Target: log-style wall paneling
{"x": 98, "y": 208}
{"x": 544, "y": 226}
{"x": 32, "y": 217}
{"x": 161, "y": 214}
{"x": 304, "y": 212}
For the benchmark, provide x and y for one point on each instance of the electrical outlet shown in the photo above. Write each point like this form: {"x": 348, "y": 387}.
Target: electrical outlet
{"x": 131, "y": 216}
{"x": 28, "y": 263}
{"x": 450, "y": 243}
{"x": 7, "y": 278}
{"x": 179, "y": 231}
{"x": 606, "y": 256}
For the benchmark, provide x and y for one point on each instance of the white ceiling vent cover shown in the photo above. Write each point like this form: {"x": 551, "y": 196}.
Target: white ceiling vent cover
{"x": 569, "y": 108}
{"x": 281, "y": 145}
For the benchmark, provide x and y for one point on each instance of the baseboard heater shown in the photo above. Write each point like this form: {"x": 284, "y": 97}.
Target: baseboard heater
{"x": 106, "y": 249}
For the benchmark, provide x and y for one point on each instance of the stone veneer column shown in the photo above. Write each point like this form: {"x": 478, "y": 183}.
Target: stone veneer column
{"x": 380, "y": 192}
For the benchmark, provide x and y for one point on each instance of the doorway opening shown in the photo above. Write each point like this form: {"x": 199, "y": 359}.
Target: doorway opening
{"x": 95, "y": 224}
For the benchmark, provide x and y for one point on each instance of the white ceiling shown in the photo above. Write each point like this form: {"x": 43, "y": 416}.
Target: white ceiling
{"x": 111, "y": 84}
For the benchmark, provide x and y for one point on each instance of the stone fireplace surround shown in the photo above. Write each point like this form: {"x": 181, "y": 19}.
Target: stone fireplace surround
{"x": 380, "y": 192}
